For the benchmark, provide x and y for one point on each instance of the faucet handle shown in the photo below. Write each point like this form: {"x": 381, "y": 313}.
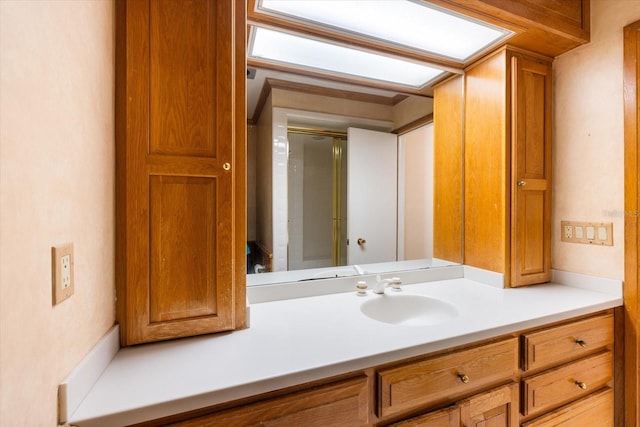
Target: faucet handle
{"x": 361, "y": 288}
{"x": 396, "y": 284}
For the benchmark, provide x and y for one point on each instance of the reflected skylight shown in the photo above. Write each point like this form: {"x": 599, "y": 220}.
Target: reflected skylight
{"x": 419, "y": 26}
{"x": 281, "y": 47}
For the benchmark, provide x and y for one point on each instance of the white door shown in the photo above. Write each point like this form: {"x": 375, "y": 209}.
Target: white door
{"x": 372, "y": 177}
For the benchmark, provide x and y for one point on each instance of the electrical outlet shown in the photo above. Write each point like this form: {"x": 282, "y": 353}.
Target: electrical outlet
{"x": 62, "y": 272}
{"x": 568, "y": 231}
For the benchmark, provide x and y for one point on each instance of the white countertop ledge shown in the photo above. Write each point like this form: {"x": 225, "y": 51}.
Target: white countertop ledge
{"x": 299, "y": 340}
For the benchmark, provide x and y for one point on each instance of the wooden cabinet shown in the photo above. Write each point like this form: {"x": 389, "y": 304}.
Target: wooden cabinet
{"x": 497, "y": 408}
{"x": 567, "y": 369}
{"x": 180, "y": 137}
{"x": 507, "y": 159}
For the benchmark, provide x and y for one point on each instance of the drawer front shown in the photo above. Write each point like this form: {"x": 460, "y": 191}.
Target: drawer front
{"x": 563, "y": 343}
{"x": 446, "y": 377}
{"x": 595, "y": 410}
{"x": 566, "y": 383}
{"x": 338, "y": 404}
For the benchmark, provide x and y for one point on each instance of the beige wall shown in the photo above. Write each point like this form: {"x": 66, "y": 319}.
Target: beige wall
{"x": 56, "y": 186}
{"x": 588, "y": 146}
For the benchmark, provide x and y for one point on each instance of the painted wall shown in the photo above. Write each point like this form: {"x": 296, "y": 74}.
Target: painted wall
{"x": 56, "y": 186}
{"x": 588, "y": 146}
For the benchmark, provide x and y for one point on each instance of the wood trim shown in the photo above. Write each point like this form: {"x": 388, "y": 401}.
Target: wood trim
{"x": 631, "y": 77}
{"x": 417, "y": 123}
{"x": 334, "y": 93}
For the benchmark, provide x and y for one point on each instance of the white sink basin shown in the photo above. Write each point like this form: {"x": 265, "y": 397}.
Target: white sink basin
{"x": 408, "y": 310}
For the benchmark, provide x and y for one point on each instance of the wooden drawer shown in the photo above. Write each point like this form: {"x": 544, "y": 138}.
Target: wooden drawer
{"x": 446, "y": 377}
{"x": 595, "y": 410}
{"x": 562, "y": 385}
{"x": 563, "y": 343}
{"x": 342, "y": 403}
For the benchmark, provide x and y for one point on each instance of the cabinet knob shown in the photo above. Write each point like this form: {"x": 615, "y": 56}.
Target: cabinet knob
{"x": 582, "y": 385}
{"x": 361, "y": 241}
{"x": 226, "y": 166}
{"x": 581, "y": 343}
{"x": 464, "y": 378}
{"x": 522, "y": 183}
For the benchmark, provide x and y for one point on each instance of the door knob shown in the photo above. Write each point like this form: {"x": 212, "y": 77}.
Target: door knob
{"x": 361, "y": 241}
{"x": 522, "y": 183}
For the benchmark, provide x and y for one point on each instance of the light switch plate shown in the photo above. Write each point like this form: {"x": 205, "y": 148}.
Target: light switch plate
{"x": 592, "y": 233}
{"x": 62, "y": 277}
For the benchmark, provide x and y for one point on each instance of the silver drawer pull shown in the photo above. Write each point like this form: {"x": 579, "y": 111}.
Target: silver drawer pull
{"x": 582, "y": 385}
{"x": 581, "y": 343}
{"x": 465, "y": 379}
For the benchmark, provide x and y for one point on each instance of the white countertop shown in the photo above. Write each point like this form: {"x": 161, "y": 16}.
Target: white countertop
{"x": 299, "y": 340}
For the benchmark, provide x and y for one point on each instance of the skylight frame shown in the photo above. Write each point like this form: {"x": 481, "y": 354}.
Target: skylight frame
{"x": 438, "y": 71}
{"x": 371, "y": 36}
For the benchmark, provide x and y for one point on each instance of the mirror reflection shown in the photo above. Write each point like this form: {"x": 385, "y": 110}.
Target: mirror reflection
{"x": 340, "y": 180}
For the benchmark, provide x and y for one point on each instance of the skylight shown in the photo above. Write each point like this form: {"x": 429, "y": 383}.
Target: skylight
{"x": 418, "y": 26}
{"x": 313, "y": 54}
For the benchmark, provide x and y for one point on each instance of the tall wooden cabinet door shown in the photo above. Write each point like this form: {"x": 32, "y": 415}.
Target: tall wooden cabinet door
{"x": 496, "y": 408}
{"x": 179, "y": 202}
{"x": 531, "y": 171}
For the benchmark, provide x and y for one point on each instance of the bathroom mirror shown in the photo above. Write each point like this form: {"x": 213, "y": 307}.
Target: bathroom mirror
{"x": 307, "y": 121}
{"x": 293, "y": 207}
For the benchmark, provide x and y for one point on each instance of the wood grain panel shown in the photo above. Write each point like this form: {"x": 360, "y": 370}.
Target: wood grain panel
{"x": 182, "y": 64}
{"x": 595, "y": 410}
{"x": 556, "y": 387}
{"x": 183, "y": 254}
{"x": 531, "y": 171}
{"x": 180, "y": 168}
{"x": 448, "y": 417}
{"x": 548, "y": 347}
{"x": 339, "y": 404}
{"x": 631, "y": 79}
{"x": 495, "y": 408}
{"x": 548, "y": 27}
{"x": 447, "y": 174}
{"x": 486, "y": 186}
{"x": 440, "y": 378}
